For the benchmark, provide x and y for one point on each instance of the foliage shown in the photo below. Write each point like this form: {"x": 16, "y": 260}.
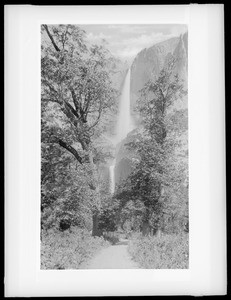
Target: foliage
{"x": 66, "y": 194}
{"x": 78, "y": 102}
{"x": 107, "y": 219}
{"x": 77, "y": 96}
{"x": 163, "y": 252}
{"x": 76, "y": 78}
{"x": 69, "y": 249}
{"x": 159, "y": 180}
{"x": 111, "y": 237}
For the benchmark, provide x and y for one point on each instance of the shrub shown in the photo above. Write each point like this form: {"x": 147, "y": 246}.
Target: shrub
{"x": 111, "y": 237}
{"x": 68, "y": 249}
{"x": 164, "y": 252}
{"x": 107, "y": 220}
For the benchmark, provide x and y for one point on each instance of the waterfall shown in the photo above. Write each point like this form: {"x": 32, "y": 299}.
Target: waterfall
{"x": 124, "y": 123}
{"x": 112, "y": 177}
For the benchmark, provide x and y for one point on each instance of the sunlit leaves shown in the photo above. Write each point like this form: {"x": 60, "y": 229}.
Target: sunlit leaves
{"x": 159, "y": 176}
{"x": 77, "y": 94}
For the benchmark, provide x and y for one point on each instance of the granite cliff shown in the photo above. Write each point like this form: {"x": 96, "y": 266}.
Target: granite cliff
{"x": 149, "y": 62}
{"x": 147, "y": 65}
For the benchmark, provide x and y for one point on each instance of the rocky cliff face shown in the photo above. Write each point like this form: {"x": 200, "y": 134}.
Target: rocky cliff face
{"x": 118, "y": 70}
{"x": 147, "y": 65}
{"x": 149, "y": 62}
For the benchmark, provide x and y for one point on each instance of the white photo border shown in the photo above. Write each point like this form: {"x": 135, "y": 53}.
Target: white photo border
{"x": 207, "y": 212}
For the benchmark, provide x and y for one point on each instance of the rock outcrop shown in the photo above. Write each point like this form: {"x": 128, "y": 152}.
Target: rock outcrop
{"x": 149, "y": 62}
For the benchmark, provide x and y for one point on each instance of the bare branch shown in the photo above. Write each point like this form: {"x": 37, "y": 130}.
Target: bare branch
{"x": 71, "y": 109}
{"x": 76, "y": 103}
{"x": 51, "y": 100}
{"x": 71, "y": 150}
{"x": 51, "y": 38}
{"x": 98, "y": 118}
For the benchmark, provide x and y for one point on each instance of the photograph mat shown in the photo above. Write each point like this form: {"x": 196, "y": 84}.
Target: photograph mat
{"x": 205, "y": 107}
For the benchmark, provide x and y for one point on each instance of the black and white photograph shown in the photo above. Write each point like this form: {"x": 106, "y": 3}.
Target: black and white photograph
{"x": 115, "y": 154}
{"x": 114, "y": 146}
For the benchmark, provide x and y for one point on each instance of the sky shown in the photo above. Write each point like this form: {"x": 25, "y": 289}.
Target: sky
{"x": 125, "y": 41}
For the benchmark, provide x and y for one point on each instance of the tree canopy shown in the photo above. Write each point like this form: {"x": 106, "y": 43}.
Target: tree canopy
{"x": 156, "y": 189}
{"x": 77, "y": 93}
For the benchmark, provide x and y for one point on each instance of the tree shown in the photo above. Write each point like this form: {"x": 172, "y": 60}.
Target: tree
{"x": 154, "y": 143}
{"x": 76, "y": 85}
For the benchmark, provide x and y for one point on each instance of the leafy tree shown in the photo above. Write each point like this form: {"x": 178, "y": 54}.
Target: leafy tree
{"x": 77, "y": 90}
{"x": 155, "y": 173}
{"x": 107, "y": 219}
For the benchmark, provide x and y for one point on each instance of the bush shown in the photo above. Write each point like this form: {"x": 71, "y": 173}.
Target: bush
{"x": 68, "y": 249}
{"x": 164, "y": 252}
{"x": 111, "y": 237}
{"x": 107, "y": 220}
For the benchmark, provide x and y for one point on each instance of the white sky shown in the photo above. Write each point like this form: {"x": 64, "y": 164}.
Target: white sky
{"x": 125, "y": 41}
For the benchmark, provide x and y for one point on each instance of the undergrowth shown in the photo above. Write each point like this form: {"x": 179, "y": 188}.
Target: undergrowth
{"x": 164, "y": 252}
{"x": 111, "y": 238}
{"x": 68, "y": 249}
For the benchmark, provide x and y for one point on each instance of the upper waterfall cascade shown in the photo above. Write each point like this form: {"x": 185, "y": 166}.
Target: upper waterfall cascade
{"x": 124, "y": 123}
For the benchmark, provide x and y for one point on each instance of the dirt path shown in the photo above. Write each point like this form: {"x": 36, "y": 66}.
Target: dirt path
{"x": 113, "y": 257}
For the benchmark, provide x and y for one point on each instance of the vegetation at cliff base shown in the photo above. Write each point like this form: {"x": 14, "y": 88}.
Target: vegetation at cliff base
{"x": 154, "y": 197}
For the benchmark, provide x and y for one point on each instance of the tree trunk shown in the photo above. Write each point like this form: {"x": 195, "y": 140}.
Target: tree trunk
{"x": 95, "y": 226}
{"x": 145, "y": 228}
{"x": 97, "y": 200}
{"x": 158, "y": 233}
